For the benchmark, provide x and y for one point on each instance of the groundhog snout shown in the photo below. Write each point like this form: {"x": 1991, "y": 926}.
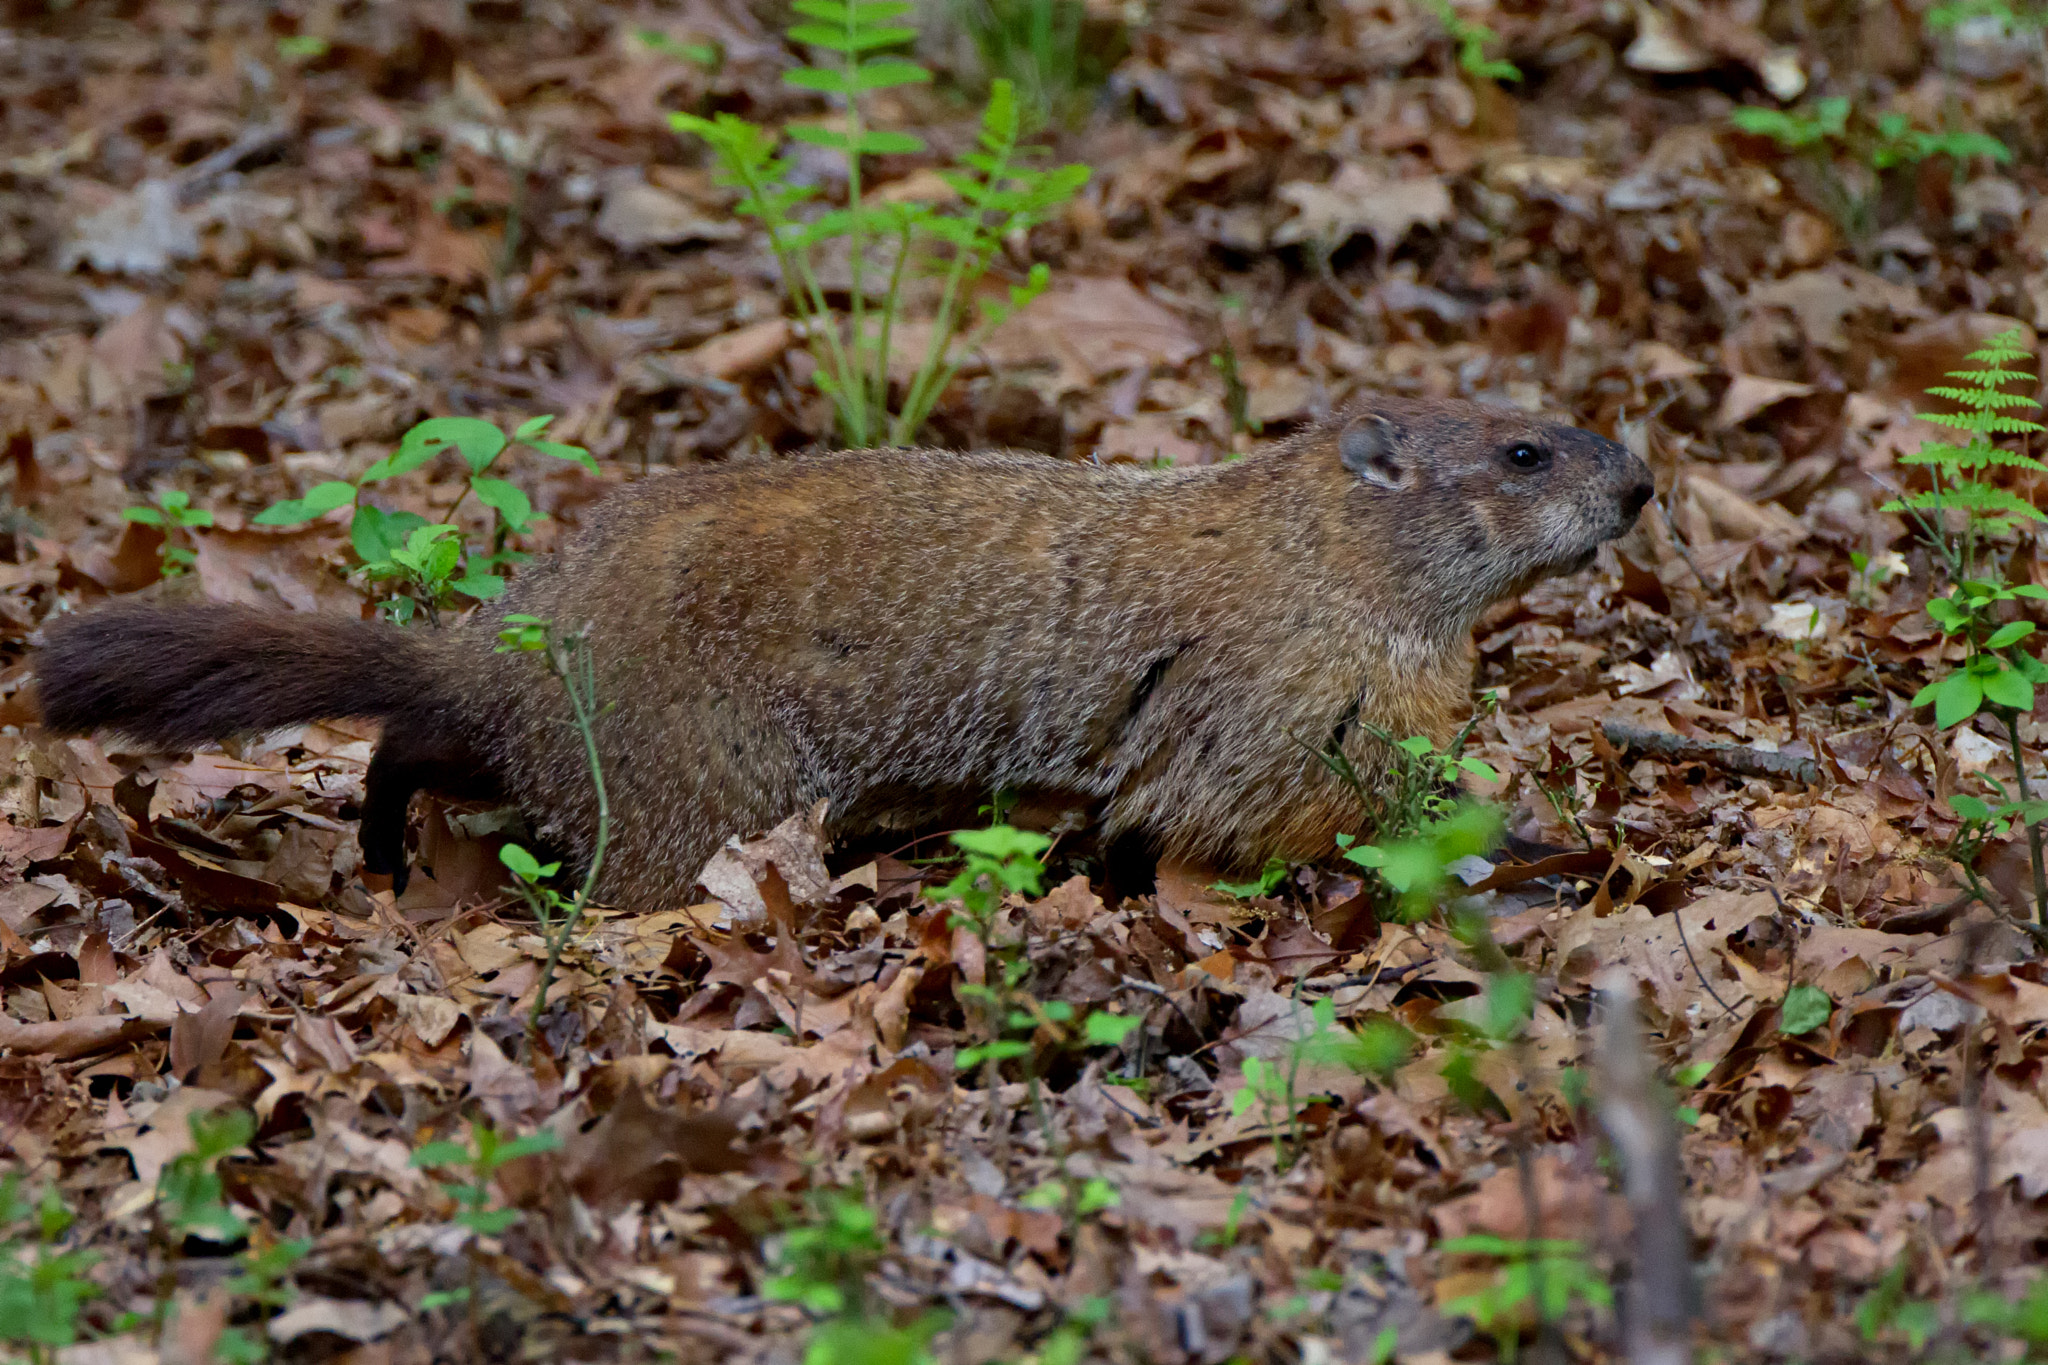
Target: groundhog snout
{"x": 1636, "y": 496}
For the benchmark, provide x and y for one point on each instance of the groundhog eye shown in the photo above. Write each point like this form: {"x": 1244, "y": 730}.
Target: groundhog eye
{"x": 1522, "y": 455}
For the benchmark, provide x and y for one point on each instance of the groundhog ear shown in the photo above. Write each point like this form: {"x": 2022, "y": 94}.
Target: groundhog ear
{"x": 1366, "y": 448}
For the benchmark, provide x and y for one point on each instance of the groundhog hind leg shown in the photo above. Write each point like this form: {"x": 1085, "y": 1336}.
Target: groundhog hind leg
{"x": 410, "y": 758}
{"x": 716, "y": 776}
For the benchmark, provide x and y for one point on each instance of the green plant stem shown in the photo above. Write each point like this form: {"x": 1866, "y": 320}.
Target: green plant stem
{"x": 799, "y": 281}
{"x": 2019, "y": 772}
{"x": 923, "y": 395}
{"x": 581, "y": 694}
{"x": 857, "y": 240}
{"x": 969, "y": 343}
{"x": 890, "y": 306}
{"x": 935, "y": 373}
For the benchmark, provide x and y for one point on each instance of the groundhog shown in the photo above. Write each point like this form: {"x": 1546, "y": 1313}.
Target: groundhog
{"x": 899, "y": 633}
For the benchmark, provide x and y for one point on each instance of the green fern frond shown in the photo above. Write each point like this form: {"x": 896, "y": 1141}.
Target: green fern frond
{"x": 1976, "y": 455}
{"x": 1989, "y": 379}
{"x": 1940, "y": 453}
{"x": 1984, "y": 423}
{"x": 1981, "y": 500}
{"x": 2010, "y": 344}
{"x": 2004, "y": 459}
{"x": 1983, "y": 398}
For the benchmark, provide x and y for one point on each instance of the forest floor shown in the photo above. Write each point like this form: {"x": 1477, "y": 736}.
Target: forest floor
{"x": 245, "y": 247}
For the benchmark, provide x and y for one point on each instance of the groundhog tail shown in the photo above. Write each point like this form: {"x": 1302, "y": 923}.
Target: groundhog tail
{"x": 175, "y": 677}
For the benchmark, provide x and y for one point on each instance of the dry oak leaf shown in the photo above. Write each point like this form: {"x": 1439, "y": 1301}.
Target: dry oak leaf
{"x": 142, "y": 232}
{"x": 725, "y": 356}
{"x": 158, "y": 1133}
{"x": 1821, "y": 299}
{"x": 355, "y": 1319}
{"x": 1358, "y": 200}
{"x": 64, "y": 1039}
{"x": 637, "y": 214}
{"x": 1750, "y": 394}
{"x": 795, "y": 848}
{"x": 639, "y": 1151}
{"x": 1650, "y": 947}
{"x": 1091, "y": 328}
{"x": 2019, "y": 1151}
{"x": 1568, "y": 1205}
{"x": 1150, "y": 437}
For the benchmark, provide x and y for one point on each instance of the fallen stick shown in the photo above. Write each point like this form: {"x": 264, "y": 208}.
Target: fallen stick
{"x": 1661, "y": 1300}
{"x": 1734, "y": 758}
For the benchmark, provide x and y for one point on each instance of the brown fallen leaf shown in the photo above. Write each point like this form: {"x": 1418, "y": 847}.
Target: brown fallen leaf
{"x": 67, "y": 1038}
{"x": 639, "y": 1152}
{"x": 1360, "y": 200}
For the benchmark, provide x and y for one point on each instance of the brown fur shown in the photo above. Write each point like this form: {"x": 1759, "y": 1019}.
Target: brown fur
{"x": 898, "y": 631}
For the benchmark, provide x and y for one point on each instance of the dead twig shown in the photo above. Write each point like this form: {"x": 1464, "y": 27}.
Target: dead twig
{"x": 1678, "y": 918}
{"x": 1739, "y": 759}
{"x": 1661, "y": 1301}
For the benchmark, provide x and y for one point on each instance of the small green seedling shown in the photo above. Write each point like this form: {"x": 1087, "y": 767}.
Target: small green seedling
{"x": 1472, "y": 39}
{"x": 1887, "y": 1309}
{"x": 427, "y": 563}
{"x": 264, "y": 1282}
{"x": 568, "y": 659}
{"x": 1000, "y": 197}
{"x": 1967, "y": 521}
{"x": 173, "y": 512}
{"x": 1830, "y": 129}
{"x": 42, "y": 1289}
{"x": 1546, "y": 1275}
{"x": 2024, "y": 1319}
{"x": 189, "y": 1192}
{"x": 487, "y": 1152}
{"x": 1417, "y": 869}
{"x": 823, "y": 1264}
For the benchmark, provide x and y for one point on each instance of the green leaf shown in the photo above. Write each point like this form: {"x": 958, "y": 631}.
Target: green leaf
{"x": 2007, "y": 687}
{"x": 482, "y": 586}
{"x": 823, "y": 79}
{"x": 440, "y": 1154}
{"x": 477, "y": 441}
{"x": 1367, "y": 855}
{"x": 1510, "y": 1000}
{"x": 850, "y": 42}
{"x": 884, "y": 73}
{"x": 320, "y": 499}
{"x": 377, "y": 534}
{"x": 1692, "y": 1073}
{"x": 148, "y": 516}
{"x": 1805, "y": 1009}
{"x": 2009, "y": 634}
{"x": 872, "y": 142}
{"x": 1956, "y": 699}
{"x": 1102, "y": 1029}
{"x": 541, "y": 1140}
{"x": 1969, "y": 807}
{"x": 562, "y": 451}
{"x": 488, "y": 1222}
{"x": 508, "y": 500}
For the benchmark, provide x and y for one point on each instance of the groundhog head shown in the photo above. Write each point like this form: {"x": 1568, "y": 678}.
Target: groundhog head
{"x": 1478, "y": 502}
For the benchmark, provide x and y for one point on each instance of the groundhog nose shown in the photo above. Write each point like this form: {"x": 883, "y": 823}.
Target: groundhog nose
{"x": 1637, "y": 497}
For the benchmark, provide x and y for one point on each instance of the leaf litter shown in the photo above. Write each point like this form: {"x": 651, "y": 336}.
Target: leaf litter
{"x": 246, "y": 251}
